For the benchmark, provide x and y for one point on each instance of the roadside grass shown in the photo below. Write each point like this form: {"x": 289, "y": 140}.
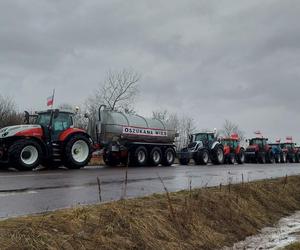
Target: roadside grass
{"x": 294, "y": 246}
{"x": 207, "y": 218}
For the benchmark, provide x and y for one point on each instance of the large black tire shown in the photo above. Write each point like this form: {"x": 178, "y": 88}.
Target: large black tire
{"x": 292, "y": 158}
{"x": 277, "y": 158}
{"x": 202, "y": 157}
{"x": 218, "y": 155}
{"x": 270, "y": 158}
{"x": 231, "y": 159}
{"x": 168, "y": 157}
{"x": 297, "y": 160}
{"x": 77, "y": 152}
{"x": 139, "y": 157}
{"x": 283, "y": 158}
{"x": 262, "y": 158}
{"x": 25, "y": 154}
{"x": 241, "y": 157}
{"x": 184, "y": 161}
{"x": 155, "y": 156}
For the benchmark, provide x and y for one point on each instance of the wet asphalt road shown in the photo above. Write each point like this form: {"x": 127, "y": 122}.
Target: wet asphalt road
{"x": 23, "y": 193}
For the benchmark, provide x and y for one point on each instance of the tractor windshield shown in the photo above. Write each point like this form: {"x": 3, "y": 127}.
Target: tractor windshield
{"x": 229, "y": 142}
{"x": 258, "y": 142}
{"x": 200, "y": 137}
{"x": 43, "y": 119}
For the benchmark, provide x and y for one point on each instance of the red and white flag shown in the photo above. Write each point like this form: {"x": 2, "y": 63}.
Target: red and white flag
{"x": 257, "y": 132}
{"x": 278, "y": 140}
{"x": 289, "y": 138}
{"x": 50, "y": 99}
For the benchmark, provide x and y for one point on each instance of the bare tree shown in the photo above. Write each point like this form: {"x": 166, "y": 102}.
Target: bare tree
{"x": 118, "y": 91}
{"x": 184, "y": 125}
{"x": 8, "y": 112}
{"x": 230, "y": 128}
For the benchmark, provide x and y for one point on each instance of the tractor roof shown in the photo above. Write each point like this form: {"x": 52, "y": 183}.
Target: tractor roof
{"x": 52, "y": 110}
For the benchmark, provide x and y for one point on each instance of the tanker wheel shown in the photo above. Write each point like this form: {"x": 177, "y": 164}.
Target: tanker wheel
{"x": 25, "y": 154}
{"x": 168, "y": 157}
{"x": 231, "y": 159}
{"x": 155, "y": 156}
{"x": 78, "y": 152}
{"x": 184, "y": 161}
{"x": 241, "y": 157}
{"x": 218, "y": 155}
{"x": 140, "y": 156}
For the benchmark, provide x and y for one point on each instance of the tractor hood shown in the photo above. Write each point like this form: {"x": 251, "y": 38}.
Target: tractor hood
{"x": 21, "y": 130}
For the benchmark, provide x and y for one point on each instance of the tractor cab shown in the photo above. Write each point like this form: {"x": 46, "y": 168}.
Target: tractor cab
{"x": 260, "y": 142}
{"x": 205, "y": 138}
{"x": 52, "y": 121}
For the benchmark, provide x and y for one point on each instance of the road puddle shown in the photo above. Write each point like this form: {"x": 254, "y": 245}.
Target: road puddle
{"x": 287, "y": 231}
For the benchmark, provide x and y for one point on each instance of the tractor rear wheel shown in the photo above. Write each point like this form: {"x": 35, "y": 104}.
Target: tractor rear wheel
{"x": 277, "y": 158}
{"x": 25, "y": 154}
{"x": 231, "y": 159}
{"x": 262, "y": 158}
{"x": 241, "y": 157}
{"x": 218, "y": 155}
{"x": 283, "y": 158}
{"x": 78, "y": 152}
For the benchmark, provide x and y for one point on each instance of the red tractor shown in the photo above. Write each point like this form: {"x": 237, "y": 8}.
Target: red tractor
{"x": 51, "y": 139}
{"x": 233, "y": 152}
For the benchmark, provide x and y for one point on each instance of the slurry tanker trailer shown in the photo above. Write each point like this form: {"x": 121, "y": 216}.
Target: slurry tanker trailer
{"x": 133, "y": 139}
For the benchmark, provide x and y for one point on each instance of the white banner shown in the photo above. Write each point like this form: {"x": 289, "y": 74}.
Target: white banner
{"x": 144, "y": 131}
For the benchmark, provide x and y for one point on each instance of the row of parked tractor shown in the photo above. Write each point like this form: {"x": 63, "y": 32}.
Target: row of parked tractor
{"x": 205, "y": 147}
{"x": 50, "y": 138}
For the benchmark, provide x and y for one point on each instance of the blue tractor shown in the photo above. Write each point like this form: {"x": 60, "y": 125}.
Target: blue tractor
{"x": 280, "y": 155}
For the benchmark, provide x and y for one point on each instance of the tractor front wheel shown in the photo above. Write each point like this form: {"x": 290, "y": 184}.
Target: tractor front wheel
{"x": 241, "y": 157}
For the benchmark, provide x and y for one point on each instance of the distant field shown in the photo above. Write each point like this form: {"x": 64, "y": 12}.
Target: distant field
{"x": 207, "y": 218}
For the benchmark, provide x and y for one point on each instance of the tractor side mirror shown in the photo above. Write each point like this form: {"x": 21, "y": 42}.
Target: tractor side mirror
{"x": 247, "y": 140}
{"x": 26, "y": 117}
{"x": 56, "y": 113}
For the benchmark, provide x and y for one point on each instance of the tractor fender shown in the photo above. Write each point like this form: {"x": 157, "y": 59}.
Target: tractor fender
{"x": 65, "y": 135}
{"x": 216, "y": 143}
{"x": 38, "y": 140}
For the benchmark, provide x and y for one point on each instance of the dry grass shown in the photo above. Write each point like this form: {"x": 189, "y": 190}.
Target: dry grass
{"x": 207, "y": 218}
{"x": 294, "y": 246}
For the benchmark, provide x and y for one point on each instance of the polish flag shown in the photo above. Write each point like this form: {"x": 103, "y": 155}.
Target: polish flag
{"x": 278, "y": 140}
{"x": 50, "y": 99}
{"x": 289, "y": 138}
{"x": 257, "y": 132}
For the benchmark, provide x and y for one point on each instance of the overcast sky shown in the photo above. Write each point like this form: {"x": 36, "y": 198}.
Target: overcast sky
{"x": 212, "y": 60}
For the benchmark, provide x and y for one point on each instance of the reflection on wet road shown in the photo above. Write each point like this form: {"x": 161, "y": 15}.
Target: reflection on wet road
{"x": 35, "y": 192}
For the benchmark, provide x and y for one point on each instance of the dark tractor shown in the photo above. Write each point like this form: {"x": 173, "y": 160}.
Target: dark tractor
{"x": 280, "y": 154}
{"x": 259, "y": 151}
{"x": 203, "y": 147}
{"x": 293, "y": 153}
{"x": 233, "y": 152}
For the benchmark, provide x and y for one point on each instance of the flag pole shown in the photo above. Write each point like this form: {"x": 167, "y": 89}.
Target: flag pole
{"x": 53, "y": 98}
